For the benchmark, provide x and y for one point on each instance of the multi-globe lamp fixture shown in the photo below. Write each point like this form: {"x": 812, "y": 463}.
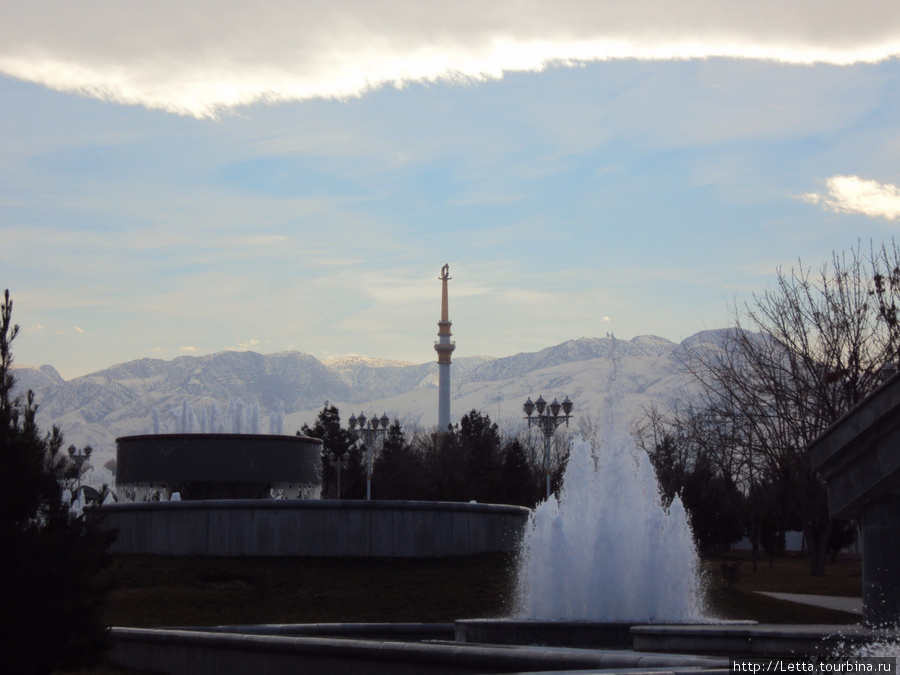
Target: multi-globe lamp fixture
{"x": 548, "y": 418}
{"x": 79, "y": 457}
{"x": 369, "y": 430}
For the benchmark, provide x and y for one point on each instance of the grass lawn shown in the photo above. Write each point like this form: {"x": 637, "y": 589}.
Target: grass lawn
{"x": 176, "y": 591}
{"x": 102, "y": 670}
{"x": 170, "y": 591}
{"x": 788, "y": 574}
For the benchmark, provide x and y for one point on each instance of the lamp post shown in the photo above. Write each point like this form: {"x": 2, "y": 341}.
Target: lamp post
{"x": 369, "y": 430}
{"x": 339, "y": 463}
{"x": 548, "y": 418}
{"x": 79, "y": 457}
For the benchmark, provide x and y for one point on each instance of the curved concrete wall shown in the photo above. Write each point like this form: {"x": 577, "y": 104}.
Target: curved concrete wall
{"x": 314, "y": 528}
{"x": 218, "y": 466}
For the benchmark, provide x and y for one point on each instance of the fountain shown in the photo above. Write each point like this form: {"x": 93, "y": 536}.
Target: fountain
{"x": 603, "y": 557}
{"x": 608, "y": 550}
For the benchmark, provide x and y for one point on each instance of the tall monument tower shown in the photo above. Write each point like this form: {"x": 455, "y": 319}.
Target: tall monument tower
{"x": 444, "y": 347}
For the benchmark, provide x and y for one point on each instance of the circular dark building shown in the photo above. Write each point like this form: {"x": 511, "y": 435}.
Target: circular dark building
{"x": 218, "y": 466}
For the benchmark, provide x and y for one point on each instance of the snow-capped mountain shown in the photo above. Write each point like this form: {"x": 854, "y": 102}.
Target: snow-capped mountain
{"x": 120, "y": 400}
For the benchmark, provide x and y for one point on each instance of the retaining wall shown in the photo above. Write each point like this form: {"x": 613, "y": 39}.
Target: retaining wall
{"x": 314, "y": 528}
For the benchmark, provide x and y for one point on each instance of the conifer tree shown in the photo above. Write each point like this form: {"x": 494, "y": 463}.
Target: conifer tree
{"x": 399, "y": 469}
{"x": 337, "y": 442}
{"x": 50, "y": 600}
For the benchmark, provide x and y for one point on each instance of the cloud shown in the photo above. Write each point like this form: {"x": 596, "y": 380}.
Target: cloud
{"x": 194, "y": 57}
{"x": 810, "y": 197}
{"x": 190, "y": 350}
{"x": 245, "y": 346}
{"x": 79, "y": 330}
{"x": 852, "y": 194}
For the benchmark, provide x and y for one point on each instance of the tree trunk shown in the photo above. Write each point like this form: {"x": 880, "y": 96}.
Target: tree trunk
{"x": 754, "y": 537}
{"x": 817, "y": 539}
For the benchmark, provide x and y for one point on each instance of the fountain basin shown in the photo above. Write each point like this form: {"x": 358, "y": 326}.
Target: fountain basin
{"x": 562, "y": 633}
{"x": 198, "y": 652}
{"x": 757, "y": 640}
{"x": 606, "y": 635}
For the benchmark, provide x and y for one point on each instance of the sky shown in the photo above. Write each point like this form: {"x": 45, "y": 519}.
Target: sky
{"x": 183, "y": 178}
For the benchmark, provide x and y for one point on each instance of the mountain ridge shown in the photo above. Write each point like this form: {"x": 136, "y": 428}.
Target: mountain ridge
{"x": 119, "y": 400}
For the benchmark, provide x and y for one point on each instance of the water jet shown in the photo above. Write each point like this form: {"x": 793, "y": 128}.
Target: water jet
{"x": 603, "y": 557}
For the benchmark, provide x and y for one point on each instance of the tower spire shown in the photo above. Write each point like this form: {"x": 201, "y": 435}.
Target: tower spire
{"x": 445, "y": 303}
{"x": 444, "y": 347}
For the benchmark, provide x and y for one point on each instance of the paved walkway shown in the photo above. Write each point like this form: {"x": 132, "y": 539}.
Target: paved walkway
{"x": 853, "y": 605}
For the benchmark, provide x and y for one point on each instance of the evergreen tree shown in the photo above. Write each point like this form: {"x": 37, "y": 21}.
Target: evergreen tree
{"x": 466, "y": 465}
{"x": 520, "y": 482}
{"x": 445, "y": 468}
{"x": 479, "y": 440}
{"x": 715, "y": 508}
{"x": 337, "y": 442}
{"x": 50, "y": 600}
{"x": 399, "y": 470}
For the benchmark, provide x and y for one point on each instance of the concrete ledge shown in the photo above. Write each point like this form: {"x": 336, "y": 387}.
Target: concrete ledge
{"x": 757, "y": 640}
{"x": 858, "y": 459}
{"x": 405, "y": 632}
{"x": 856, "y": 455}
{"x": 314, "y": 505}
{"x": 176, "y": 652}
{"x": 274, "y": 527}
{"x": 612, "y": 635}
{"x": 555, "y": 633}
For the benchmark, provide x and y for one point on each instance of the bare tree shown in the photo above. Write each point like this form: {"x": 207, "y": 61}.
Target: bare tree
{"x": 798, "y": 357}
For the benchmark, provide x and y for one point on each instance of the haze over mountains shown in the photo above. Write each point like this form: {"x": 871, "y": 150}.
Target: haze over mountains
{"x": 98, "y": 407}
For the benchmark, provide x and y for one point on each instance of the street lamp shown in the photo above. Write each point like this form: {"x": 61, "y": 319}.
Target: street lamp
{"x": 339, "y": 463}
{"x": 547, "y": 419}
{"x": 370, "y": 430}
{"x": 79, "y": 457}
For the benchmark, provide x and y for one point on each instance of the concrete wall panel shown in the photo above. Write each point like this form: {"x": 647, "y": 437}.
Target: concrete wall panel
{"x": 333, "y": 539}
{"x": 312, "y": 532}
{"x": 459, "y": 532}
{"x": 188, "y": 532}
{"x": 221, "y": 536}
{"x": 354, "y": 532}
{"x": 403, "y": 527}
{"x": 381, "y": 533}
{"x": 159, "y": 533}
{"x": 287, "y": 531}
{"x": 424, "y": 535}
{"x": 314, "y": 528}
